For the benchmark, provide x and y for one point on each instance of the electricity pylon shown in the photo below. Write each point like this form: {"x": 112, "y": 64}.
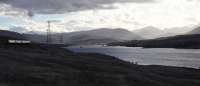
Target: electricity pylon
{"x": 61, "y": 38}
{"x": 49, "y": 39}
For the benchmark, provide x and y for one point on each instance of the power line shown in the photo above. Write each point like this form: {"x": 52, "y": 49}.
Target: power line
{"x": 49, "y": 38}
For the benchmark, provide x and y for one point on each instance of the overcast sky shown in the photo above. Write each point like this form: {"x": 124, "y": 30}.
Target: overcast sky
{"x": 75, "y": 15}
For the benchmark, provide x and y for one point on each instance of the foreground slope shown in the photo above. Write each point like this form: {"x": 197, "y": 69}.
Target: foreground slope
{"x": 43, "y": 65}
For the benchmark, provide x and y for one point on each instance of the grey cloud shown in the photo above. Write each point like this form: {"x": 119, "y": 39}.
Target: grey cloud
{"x": 60, "y": 6}
{"x": 6, "y": 9}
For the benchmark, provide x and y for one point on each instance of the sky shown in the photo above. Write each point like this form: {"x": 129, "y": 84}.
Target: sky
{"x": 76, "y": 15}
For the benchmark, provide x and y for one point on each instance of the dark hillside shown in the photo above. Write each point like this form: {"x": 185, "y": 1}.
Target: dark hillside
{"x": 181, "y": 41}
{"x": 8, "y": 35}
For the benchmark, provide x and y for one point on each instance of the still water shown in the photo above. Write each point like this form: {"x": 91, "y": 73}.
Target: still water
{"x": 148, "y": 56}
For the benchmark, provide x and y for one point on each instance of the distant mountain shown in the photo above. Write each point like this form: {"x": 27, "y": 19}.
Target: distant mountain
{"x": 153, "y": 32}
{"x": 150, "y": 32}
{"x": 178, "y": 30}
{"x": 35, "y": 32}
{"x": 98, "y": 36}
{"x": 37, "y": 38}
{"x": 195, "y": 31}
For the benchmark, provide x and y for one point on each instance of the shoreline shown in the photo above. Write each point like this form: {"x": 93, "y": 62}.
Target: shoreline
{"x": 150, "y": 47}
{"x": 159, "y": 56}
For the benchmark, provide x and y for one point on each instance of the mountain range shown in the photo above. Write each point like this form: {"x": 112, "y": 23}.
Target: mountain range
{"x": 102, "y": 35}
{"x": 151, "y": 32}
{"x": 179, "y": 30}
{"x": 97, "y": 36}
{"x": 182, "y": 39}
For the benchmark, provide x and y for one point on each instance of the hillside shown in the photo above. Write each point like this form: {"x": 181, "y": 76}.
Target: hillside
{"x": 180, "y": 41}
{"x": 43, "y": 65}
{"x": 8, "y": 35}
